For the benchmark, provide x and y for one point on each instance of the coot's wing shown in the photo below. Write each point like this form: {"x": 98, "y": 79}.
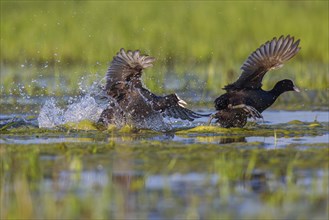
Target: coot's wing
{"x": 183, "y": 113}
{"x": 270, "y": 55}
{"x": 126, "y": 68}
{"x": 174, "y": 107}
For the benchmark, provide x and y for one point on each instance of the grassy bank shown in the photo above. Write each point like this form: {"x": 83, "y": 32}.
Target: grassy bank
{"x": 205, "y": 40}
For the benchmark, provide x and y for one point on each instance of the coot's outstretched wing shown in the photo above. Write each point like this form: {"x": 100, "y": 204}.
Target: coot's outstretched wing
{"x": 270, "y": 55}
{"x": 126, "y": 67}
{"x": 183, "y": 113}
{"x": 174, "y": 107}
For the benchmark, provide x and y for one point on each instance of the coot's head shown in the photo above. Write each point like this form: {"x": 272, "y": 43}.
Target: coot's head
{"x": 285, "y": 86}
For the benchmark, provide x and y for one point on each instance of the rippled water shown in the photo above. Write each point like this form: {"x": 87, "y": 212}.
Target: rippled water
{"x": 73, "y": 115}
{"x": 276, "y": 168}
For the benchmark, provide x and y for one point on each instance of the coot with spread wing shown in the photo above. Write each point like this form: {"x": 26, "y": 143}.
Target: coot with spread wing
{"x": 245, "y": 98}
{"x": 132, "y": 103}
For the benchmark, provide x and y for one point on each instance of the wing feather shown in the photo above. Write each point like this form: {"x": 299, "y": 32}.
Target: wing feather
{"x": 125, "y": 66}
{"x": 183, "y": 113}
{"x": 270, "y": 55}
{"x": 172, "y": 106}
{"x": 272, "y": 47}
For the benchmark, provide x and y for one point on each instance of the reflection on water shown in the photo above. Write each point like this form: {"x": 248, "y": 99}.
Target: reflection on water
{"x": 209, "y": 139}
{"x": 148, "y": 175}
{"x": 266, "y": 142}
{"x": 272, "y": 142}
{"x": 125, "y": 184}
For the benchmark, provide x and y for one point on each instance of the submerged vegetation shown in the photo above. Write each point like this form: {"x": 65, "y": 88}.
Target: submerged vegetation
{"x": 200, "y": 45}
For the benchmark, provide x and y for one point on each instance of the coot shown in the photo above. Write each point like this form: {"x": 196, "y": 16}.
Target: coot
{"x": 133, "y": 104}
{"x": 245, "y": 98}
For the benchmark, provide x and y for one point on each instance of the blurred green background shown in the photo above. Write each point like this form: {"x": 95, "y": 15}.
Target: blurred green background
{"x": 200, "y": 46}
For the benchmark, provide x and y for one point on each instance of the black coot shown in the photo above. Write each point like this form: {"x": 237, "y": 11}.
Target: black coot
{"x": 245, "y": 98}
{"x": 135, "y": 104}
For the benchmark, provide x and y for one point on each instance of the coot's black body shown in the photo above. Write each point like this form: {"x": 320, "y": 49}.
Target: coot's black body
{"x": 132, "y": 103}
{"x": 245, "y": 98}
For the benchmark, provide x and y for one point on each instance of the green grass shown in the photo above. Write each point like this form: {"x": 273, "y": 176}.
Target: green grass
{"x": 206, "y": 40}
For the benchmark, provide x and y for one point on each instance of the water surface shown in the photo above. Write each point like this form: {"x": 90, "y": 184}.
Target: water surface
{"x": 276, "y": 168}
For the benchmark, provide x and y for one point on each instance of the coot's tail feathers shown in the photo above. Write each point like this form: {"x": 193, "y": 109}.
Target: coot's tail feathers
{"x": 126, "y": 66}
{"x": 270, "y": 55}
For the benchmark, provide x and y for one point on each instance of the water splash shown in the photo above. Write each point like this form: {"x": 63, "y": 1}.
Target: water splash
{"x": 84, "y": 107}
{"x": 50, "y": 115}
{"x": 92, "y": 104}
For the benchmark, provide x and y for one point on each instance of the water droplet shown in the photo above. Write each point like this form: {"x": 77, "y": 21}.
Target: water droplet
{"x": 78, "y": 108}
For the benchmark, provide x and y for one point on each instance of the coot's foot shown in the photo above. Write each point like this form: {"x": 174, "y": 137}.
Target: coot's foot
{"x": 253, "y": 113}
{"x": 211, "y": 117}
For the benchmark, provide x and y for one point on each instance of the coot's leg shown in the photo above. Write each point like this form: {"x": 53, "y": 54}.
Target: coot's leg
{"x": 211, "y": 117}
{"x": 249, "y": 109}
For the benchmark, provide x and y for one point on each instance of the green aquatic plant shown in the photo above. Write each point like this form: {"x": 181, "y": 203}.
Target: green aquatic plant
{"x": 292, "y": 128}
{"x": 81, "y": 125}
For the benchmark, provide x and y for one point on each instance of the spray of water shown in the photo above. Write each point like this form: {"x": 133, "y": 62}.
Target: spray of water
{"x": 88, "y": 106}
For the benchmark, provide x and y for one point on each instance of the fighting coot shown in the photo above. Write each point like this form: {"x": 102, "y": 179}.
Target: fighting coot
{"x": 245, "y": 98}
{"x": 132, "y": 103}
